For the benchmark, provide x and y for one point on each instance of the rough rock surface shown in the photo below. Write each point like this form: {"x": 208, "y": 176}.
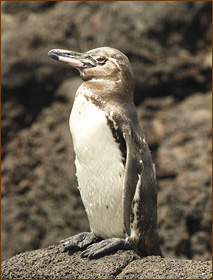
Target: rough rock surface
{"x": 54, "y": 263}
{"x": 169, "y": 47}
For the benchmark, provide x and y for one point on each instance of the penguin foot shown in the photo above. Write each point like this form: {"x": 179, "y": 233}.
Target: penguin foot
{"x": 81, "y": 240}
{"x": 105, "y": 246}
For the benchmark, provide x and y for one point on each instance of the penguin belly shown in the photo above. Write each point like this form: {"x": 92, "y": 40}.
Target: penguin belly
{"x": 99, "y": 168}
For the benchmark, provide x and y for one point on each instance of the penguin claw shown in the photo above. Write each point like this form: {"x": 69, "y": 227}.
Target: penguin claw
{"x": 105, "y": 246}
{"x": 81, "y": 240}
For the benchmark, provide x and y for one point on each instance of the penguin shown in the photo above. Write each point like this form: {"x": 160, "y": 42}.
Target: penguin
{"x": 115, "y": 173}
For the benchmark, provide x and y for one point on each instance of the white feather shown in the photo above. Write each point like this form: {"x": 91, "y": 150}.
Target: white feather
{"x": 99, "y": 169}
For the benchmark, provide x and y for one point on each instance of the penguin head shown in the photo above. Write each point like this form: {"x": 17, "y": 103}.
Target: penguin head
{"x": 97, "y": 64}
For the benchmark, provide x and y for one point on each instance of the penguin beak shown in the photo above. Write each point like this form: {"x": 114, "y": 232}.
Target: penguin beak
{"x": 75, "y": 59}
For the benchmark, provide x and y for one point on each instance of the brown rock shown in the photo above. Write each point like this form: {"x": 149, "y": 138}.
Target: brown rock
{"x": 169, "y": 47}
{"x": 54, "y": 263}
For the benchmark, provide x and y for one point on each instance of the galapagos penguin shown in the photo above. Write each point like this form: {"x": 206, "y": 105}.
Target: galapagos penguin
{"x": 114, "y": 168}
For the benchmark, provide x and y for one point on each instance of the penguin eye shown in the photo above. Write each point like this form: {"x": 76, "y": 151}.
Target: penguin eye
{"x": 101, "y": 60}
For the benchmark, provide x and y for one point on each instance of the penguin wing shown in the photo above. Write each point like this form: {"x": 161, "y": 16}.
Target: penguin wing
{"x": 133, "y": 170}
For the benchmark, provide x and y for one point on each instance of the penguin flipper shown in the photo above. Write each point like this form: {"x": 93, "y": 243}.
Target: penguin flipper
{"x": 134, "y": 167}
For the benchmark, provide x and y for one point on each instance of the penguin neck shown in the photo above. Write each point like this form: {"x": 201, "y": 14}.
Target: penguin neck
{"x": 105, "y": 91}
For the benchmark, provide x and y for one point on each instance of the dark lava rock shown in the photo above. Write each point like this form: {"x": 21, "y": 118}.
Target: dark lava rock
{"x": 169, "y": 47}
{"x": 54, "y": 263}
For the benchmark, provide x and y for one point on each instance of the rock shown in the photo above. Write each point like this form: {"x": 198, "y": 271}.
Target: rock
{"x": 180, "y": 133}
{"x": 169, "y": 45}
{"x": 54, "y": 263}
{"x": 159, "y": 268}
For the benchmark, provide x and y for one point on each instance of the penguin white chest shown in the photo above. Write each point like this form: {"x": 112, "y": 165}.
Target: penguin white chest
{"x": 99, "y": 168}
